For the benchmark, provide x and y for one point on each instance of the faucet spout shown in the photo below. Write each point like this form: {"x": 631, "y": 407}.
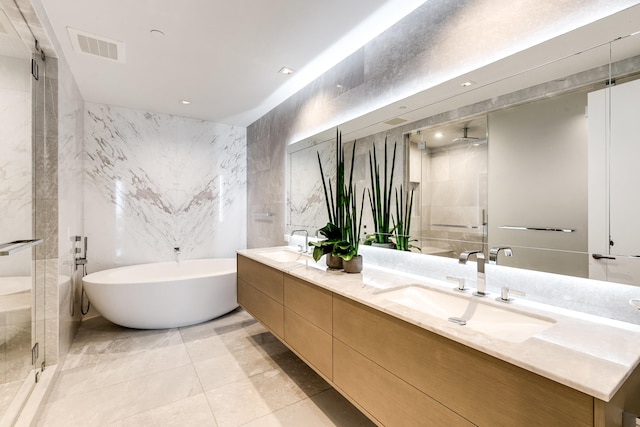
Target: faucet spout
{"x": 306, "y": 239}
{"x": 493, "y": 253}
{"x": 480, "y": 259}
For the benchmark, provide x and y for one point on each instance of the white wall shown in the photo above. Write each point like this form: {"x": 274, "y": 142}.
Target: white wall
{"x": 613, "y": 198}
{"x": 156, "y": 181}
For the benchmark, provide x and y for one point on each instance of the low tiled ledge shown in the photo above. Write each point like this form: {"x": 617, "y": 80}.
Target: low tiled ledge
{"x": 589, "y": 353}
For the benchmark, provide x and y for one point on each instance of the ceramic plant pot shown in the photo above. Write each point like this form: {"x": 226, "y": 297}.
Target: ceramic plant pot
{"x": 354, "y": 265}
{"x": 334, "y": 262}
{"x": 389, "y": 245}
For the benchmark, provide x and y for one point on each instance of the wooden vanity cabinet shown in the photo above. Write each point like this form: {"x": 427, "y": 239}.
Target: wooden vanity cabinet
{"x": 261, "y": 293}
{"x": 399, "y": 374}
{"x": 308, "y": 323}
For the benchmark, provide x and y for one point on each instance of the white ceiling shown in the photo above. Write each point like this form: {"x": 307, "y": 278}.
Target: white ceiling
{"x": 223, "y": 56}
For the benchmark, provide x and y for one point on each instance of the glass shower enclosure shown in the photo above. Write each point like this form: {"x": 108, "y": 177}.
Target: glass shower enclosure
{"x": 22, "y": 252}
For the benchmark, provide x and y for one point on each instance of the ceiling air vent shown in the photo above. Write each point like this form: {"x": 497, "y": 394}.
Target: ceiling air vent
{"x": 396, "y": 121}
{"x": 92, "y": 44}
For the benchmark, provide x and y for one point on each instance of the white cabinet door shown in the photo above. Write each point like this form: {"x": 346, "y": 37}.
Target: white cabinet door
{"x": 614, "y": 169}
{"x": 624, "y": 169}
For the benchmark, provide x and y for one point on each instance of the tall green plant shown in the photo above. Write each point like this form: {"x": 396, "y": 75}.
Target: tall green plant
{"x": 348, "y": 248}
{"x": 338, "y": 204}
{"x": 402, "y": 220}
{"x": 380, "y": 194}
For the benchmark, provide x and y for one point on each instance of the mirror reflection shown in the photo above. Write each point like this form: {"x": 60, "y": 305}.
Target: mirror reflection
{"x": 448, "y": 166}
{"x": 541, "y": 161}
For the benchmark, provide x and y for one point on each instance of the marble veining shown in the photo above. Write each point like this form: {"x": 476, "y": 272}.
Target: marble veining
{"x": 155, "y": 181}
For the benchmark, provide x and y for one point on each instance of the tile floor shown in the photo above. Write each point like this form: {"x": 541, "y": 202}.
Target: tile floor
{"x": 226, "y": 372}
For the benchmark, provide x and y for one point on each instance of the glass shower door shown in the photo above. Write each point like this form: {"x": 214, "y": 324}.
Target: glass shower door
{"x": 20, "y": 295}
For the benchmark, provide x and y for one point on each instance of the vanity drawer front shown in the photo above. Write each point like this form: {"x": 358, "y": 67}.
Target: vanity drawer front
{"x": 262, "y": 307}
{"x": 479, "y": 387}
{"x": 268, "y": 280}
{"x": 309, "y": 341}
{"x": 387, "y": 398}
{"x": 309, "y": 301}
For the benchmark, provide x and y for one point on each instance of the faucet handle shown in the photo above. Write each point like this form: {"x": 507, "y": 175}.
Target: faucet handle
{"x": 493, "y": 253}
{"x": 459, "y": 280}
{"x": 506, "y": 291}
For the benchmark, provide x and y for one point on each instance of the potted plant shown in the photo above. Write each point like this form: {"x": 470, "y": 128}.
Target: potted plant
{"x": 380, "y": 198}
{"x": 332, "y": 236}
{"x": 402, "y": 221}
{"x": 337, "y": 205}
{"x": 348, "y": 249}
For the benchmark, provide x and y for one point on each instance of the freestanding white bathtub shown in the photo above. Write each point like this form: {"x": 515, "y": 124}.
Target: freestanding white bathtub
{"x": 165, "y": 294}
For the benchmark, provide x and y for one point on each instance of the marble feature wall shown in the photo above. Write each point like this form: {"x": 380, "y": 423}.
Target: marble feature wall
{"x": 307, "y": 207}
{"x": 154, "y": 182}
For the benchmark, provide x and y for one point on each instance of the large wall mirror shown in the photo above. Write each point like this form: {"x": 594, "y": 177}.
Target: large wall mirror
{"x": 542, "y": 161}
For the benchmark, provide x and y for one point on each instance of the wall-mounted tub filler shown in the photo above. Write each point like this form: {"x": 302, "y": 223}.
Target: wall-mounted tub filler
{"x": 464, "y": 257}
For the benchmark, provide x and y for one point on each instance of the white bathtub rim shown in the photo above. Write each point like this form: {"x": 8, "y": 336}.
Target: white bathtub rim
{"x": 108, "y": 277}
{"x": 15, "y": 284}
{"x": 144, "y": 296}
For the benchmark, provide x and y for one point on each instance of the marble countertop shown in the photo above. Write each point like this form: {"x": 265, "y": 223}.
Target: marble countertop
{"x": 592, "y": 354}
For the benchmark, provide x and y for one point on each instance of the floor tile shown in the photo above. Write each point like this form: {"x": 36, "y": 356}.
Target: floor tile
{"x": 112, "y": 403}
{"x": 193, "y": 411}
{"x": 322, "y": 410}
{"x": 226, "y": 372}
{"x": 105, "y": 371}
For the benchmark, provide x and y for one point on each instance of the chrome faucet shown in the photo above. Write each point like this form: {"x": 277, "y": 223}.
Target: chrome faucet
{"x": 464, "y": 257}
{"x": 493, "y": 253}
{"x": 176, "y": 251}
{"x": 306, "y": 240}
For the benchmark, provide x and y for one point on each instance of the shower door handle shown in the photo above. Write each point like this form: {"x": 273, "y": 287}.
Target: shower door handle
{"x": 9, "y": 248}
{"x": 598, "y": 256}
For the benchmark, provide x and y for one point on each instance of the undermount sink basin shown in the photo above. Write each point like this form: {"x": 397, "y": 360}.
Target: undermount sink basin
{"x": 489, "y": 319}
{"x": 282, "y": 255}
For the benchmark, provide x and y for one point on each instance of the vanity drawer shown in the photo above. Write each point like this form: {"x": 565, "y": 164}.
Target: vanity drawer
{"x": 264, "y": 308}
{"x": 391, "y": 401}
{"x": 482, "y": 389}
{"x": 309, "y": 301}
{"x": 310, "y": 342}
{"x": 268, "y": 280}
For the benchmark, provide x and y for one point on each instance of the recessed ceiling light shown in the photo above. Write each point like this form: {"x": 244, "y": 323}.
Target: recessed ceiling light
{"x": 339, "y": 86}
{"x": 185, "y": 102}
{"x": 467, "y": 83}
{"x": 439, "y": 134}
{"x": 286, "y": 70}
